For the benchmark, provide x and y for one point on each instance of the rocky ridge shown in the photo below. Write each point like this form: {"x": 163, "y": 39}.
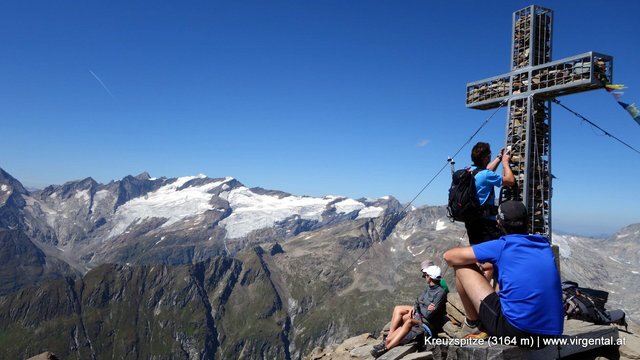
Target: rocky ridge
{"x": 150, "y": 311}
{"x": 171, "y": 221}
{"x": 324, "y": 270}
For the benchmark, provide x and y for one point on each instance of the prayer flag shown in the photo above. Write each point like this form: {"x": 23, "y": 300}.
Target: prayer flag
{"x": 611, "y": 87}
{"x": 632, "y": 110}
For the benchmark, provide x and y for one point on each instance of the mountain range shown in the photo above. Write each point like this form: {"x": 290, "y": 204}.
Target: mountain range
{"x": 199, "y": 268}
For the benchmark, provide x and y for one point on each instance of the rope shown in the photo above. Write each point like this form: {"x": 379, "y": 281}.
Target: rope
{"x": 449, "y": 160}
{"x": 595, "y": 126}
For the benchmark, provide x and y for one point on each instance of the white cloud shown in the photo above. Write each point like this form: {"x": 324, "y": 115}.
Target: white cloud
{"x": 423, "y": 143}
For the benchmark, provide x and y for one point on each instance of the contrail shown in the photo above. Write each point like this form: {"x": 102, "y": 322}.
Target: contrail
{"x": 103, "y": 85}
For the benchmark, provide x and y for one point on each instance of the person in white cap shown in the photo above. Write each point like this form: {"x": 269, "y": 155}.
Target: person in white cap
{"x": 426, "y": 316}
{"x": 425, "y": 264}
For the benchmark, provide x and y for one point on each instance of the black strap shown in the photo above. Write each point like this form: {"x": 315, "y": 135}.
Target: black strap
{"x": 477, "y": 170}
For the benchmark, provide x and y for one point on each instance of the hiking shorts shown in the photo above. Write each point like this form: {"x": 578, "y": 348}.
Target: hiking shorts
{"x": 413, "y": 334}
{"x": 493, "y": 320}
{"x": 482, "y": 230}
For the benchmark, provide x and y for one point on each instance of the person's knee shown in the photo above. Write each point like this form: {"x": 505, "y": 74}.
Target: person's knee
{"x": 467, "y": 266}
{"x": 402, "y": 309}
{"x": 462, "y": 271}
{"x": 407, "y": 324}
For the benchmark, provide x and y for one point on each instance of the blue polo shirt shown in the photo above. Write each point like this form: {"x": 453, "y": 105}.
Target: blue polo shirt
{"x": 530, "y": 290}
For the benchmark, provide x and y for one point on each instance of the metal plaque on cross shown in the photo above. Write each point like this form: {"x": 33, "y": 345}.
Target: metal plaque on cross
{"x": 527, "y": 92}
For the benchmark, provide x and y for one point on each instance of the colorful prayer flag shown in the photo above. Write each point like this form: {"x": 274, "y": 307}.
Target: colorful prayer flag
{"x": 632, "y": 110}
{"x": 611, "y": 87}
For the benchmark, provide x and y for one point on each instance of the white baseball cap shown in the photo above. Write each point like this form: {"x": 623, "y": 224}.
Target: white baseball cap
{"x": 433, "y": 271}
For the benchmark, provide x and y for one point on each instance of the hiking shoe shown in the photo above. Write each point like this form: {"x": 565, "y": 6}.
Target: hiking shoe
{"x": 379, "y": 346}
{"x": 479, "y": 335}
{"x": 376, "y": 353}
{"x": 468, "y": 329}
{"x": 472, "y": 324}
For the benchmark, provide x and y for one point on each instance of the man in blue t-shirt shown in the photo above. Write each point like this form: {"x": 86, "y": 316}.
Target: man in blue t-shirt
{"x": 484, "y": 228}
{"x": 529, "y": 302}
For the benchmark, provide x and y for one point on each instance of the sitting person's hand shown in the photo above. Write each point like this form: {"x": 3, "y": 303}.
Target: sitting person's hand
{"x": 431, "y": 307}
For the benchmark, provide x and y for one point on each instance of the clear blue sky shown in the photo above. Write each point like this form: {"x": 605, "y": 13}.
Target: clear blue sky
{"x": 354, "y": 98}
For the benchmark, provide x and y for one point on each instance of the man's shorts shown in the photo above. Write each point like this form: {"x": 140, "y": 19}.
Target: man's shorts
{"x": 482, "y": 230}
{"x": 416, "y": 332}
{"x": 493, "y": 320}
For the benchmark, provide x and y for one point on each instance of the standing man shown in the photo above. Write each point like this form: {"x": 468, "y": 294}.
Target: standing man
{"x": 483, "y": 168}
{"x": 530, "y": 299}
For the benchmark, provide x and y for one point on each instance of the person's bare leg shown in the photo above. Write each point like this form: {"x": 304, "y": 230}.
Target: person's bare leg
{"x": 488, "y": 271}
{"x": 472, "y": 287}
{"x": 400, "y": 333}
{"x": 399, "y": 312}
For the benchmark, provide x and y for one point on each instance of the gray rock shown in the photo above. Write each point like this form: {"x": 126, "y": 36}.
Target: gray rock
{"x": 424, "y": 355}
{"x": 399, "y": 352}
{"x": 630, "y": 348}
{"x": 356, "y": 341}
{"x": 44, "y": 356}
{"x": 362, "y": 352}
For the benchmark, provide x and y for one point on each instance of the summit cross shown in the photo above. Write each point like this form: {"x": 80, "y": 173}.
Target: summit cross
{"x": 534, "y": 81}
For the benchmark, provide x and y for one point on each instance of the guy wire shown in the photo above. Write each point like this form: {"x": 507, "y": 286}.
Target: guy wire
{"x": 596, "y": 126}
{"x": 502, "y": 104}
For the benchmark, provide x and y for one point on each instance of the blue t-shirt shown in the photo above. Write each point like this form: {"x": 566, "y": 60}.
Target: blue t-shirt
{"x": 530, "y": 291}
{"x": 486, "y": 180}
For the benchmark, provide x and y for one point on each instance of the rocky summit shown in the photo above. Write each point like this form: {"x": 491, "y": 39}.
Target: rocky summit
{"x": 199, "y": 268}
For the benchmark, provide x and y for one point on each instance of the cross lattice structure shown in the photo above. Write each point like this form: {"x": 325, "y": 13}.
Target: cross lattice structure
{"x": 527, "y": 91}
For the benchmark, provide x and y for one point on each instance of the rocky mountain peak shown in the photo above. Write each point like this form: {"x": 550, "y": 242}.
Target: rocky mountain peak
{"x": 629, "y": 233}
{"x": 143, "y": 176}
{"x": 9, "y": 184}
{"x": 11, "y": 201}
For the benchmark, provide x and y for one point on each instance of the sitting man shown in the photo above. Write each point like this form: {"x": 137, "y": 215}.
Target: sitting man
{"x": 529, "y": 303}
{"x": 427, "y": 315}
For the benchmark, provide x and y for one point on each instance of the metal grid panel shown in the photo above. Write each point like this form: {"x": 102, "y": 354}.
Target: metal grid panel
{"x": 539, "y": 178}
{"x": 521, "y": 42}
{"x": 516, "y": 140}
{"x": 488, "y": 91}
{"x": 542, "y": 31}
{"x": 520, "y": 83}
{"x": 589, "y": 69}
{"x": 528, "y": 136}
{"x": 531, "y": 37}
{"x": 566, "y": 76}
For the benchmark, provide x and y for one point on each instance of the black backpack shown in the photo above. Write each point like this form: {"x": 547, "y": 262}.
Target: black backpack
{"x": 588, "y": 305}
{"x": 463, "y": 198}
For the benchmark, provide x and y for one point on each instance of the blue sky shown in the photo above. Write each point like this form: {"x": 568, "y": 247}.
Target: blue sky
{"x": 354, "y": 98}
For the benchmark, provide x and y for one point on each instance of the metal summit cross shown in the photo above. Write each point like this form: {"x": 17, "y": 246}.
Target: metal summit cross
{"x": 534, "y": 81}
